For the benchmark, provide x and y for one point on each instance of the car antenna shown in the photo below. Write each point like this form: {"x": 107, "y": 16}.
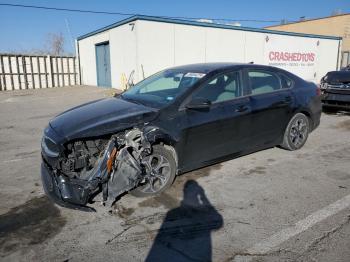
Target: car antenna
{"x": 251, "y": 62}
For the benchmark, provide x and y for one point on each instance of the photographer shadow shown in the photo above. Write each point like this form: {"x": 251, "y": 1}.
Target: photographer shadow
{"x": 185, "y": 234}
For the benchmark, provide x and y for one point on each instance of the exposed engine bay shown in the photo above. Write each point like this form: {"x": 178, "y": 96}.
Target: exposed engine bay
{"x": 112, "y": 165}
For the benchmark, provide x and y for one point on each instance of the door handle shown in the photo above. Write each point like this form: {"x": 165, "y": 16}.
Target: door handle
{"x": 241, "y": 108}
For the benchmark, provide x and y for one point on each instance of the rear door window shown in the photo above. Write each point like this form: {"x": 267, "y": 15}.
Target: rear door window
{"x": 262, "y": 82}
{"x": 223, "y": 87}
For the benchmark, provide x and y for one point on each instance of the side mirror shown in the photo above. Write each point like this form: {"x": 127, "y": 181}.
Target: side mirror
{"x": 199, "y": 103}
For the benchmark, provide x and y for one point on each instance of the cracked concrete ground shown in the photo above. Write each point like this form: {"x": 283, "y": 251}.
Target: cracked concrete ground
{"x": 249, "y": 199}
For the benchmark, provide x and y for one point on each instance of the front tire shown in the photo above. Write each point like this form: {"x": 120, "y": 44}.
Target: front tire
{"x": 296, "y": 133}
{"x": 161, "y": 169}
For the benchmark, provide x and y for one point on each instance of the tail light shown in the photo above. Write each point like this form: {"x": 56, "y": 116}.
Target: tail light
{"x": 318, "y": 90}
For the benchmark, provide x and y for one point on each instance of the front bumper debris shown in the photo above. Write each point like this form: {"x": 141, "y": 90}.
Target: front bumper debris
{"x": 61, "y": 191}
{"x": 337, "y": 99}
{"x": 118, "y": 170}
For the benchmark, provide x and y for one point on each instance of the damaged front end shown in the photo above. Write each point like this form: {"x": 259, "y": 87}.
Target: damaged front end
{"x": 335, "y": 90}
{"x": 111, "y": 166}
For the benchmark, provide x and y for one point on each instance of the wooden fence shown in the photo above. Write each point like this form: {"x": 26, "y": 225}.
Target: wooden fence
{"x": 37, "y": 71}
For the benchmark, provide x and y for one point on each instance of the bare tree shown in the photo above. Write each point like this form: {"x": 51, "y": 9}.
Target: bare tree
{"x": 55, "y": 43}
{"x": 284, "y": 21}
{"x": 336, "y": 12}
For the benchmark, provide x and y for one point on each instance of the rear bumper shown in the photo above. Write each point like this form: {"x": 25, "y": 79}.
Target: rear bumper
{"x": 316, "y": 121}
{"x": 62, "y": 191}
{"x": 315, "y": 110}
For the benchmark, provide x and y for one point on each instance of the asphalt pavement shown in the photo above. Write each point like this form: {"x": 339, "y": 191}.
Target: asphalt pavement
{"x": 273, "y": 205}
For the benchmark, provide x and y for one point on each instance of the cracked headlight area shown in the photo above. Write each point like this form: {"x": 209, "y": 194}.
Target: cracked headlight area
{"x": 49, "y": 147}
{"x": 79, "y": 157}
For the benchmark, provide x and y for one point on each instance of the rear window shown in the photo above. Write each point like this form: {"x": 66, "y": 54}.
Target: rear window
{"x": 286, "y": 82}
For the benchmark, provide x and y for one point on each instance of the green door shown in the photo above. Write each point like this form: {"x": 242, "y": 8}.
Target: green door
{"x": 103, "y": 65}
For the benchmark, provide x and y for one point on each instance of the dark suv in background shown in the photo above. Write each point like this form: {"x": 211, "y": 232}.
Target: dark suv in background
{"x": 335, "y": 88}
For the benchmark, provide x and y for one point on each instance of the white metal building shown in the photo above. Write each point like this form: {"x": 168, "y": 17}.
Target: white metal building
{"x": 145, "y": 45}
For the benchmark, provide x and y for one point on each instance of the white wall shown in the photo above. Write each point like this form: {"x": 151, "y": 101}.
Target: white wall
{"x": 87, "y": 56}
{"x": 190, "y": 43}
{"x": 329, "y": 59}
{"x": 154, "y": 46}
{"x": 224, "y": 45}
{"x": 254, "y": 47}
{"x": 163, "y": 45}
{"x": 123, "y": 53}
{"x": 325, "y": 52}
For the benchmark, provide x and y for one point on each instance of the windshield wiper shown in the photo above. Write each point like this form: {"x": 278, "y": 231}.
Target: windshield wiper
{"x": 131, "y": 100}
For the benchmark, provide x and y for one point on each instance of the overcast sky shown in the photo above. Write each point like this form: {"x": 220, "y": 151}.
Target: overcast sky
{"x": 26, "y": 29}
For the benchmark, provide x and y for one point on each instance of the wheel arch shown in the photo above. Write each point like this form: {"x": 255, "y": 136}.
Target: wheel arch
{"x": 309, "y": 116}
{"x": 155, "y": 136}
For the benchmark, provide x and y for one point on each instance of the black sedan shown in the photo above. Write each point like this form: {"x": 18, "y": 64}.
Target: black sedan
{"x": 177, "y": 120}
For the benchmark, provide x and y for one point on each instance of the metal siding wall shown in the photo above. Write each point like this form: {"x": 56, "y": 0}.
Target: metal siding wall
{"x": 190, "y": 43}
{"x": 163, "y": 45}
{"x": 123, "y": 52}
{"x": 329, "y": 59}
{"x": 197, "y": 44}
{"x": 158, "y": 45}
{"x": 159, "y": 53}
{"x": 34, "y": 72}
{"x": 224, "y": 45}
{"x": 254, "y": 47}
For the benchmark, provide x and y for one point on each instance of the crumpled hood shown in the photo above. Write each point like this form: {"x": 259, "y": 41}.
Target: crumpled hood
{"x": 100, "y": 117}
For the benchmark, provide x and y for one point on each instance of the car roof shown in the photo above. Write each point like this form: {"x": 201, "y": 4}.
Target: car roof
{"x": 210, "y": 67}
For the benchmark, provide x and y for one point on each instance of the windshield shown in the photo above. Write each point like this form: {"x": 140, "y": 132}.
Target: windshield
{"x": 162, "y": 88}
{"x": 338, "y": 77}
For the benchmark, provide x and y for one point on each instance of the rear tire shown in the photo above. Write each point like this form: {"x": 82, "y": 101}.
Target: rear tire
{"x": 296, "y": 133}
{"x": 163, "y": 165}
